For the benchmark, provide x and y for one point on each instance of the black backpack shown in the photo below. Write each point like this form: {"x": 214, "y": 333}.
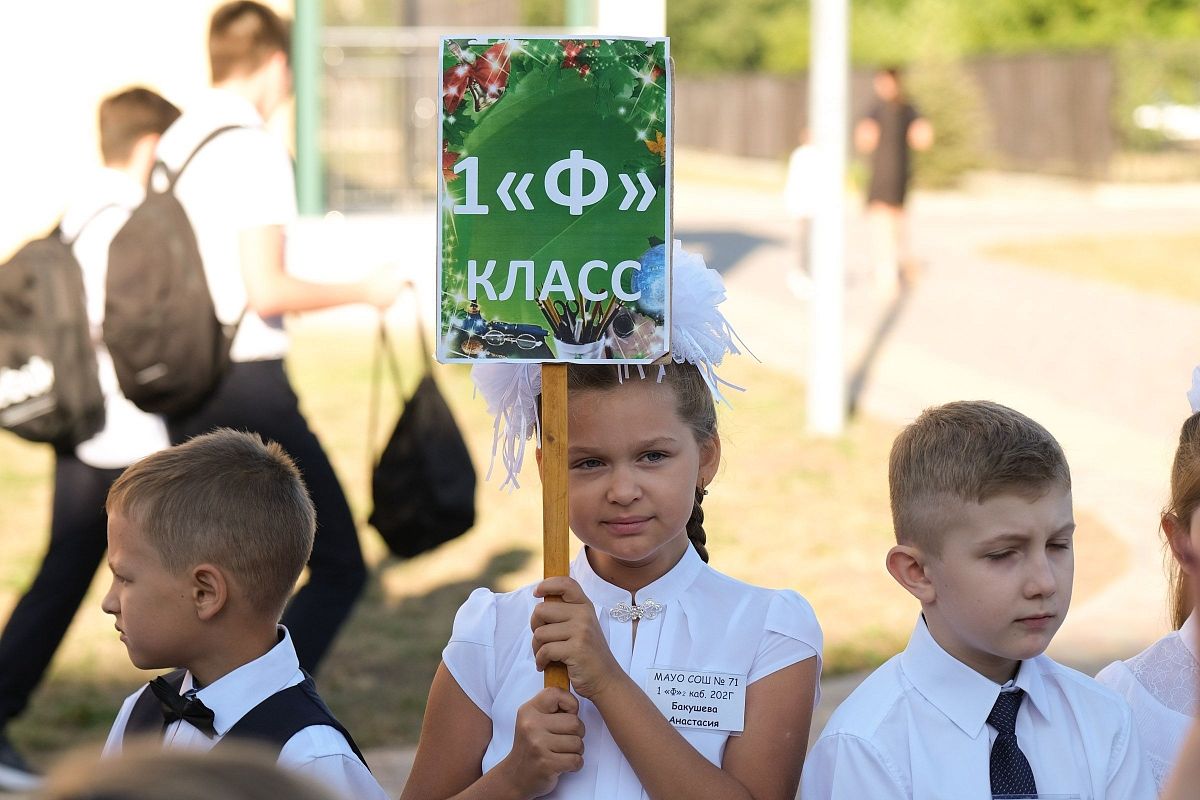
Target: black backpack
{"x": 49, "y": 386}
{"x": 168, "y": 347}
{"x": 423, "y": 484}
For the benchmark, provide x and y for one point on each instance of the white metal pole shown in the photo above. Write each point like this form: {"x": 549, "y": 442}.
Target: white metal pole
{"x": 827, "y": 115}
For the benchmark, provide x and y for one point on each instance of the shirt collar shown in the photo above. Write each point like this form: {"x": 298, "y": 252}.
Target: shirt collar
{"x": 962, "y": 694}
{"x": 233, "y": 695}
{"x": 1187, "y": 633}
{"x": 667, "y": 588}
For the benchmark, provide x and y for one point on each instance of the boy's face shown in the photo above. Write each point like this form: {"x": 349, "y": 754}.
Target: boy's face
{"x": 1002, "y": 583}
{"x": 153, "y": 609}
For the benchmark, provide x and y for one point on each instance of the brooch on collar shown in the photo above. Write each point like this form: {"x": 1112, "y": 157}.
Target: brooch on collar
{"x": 623, "y": 612}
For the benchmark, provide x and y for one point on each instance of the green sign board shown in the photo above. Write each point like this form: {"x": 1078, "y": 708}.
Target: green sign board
{"x": 555, "y": 209}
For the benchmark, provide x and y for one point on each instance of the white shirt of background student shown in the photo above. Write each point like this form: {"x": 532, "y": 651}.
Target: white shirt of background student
{"x": 92, "y": 219}
{"x": 240, "y": 194}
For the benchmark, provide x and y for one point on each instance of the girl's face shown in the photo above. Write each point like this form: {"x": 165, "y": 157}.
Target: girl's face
{"x": 633, "y": 468}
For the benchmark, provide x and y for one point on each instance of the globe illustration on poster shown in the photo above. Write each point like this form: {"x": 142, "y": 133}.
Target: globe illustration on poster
{"x": 650, "y": 282}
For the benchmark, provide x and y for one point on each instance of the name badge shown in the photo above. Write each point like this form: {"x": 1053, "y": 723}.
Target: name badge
{"x": 714, "y": 701}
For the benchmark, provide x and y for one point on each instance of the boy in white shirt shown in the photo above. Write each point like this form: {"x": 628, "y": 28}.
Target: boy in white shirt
{"x": 981, "y": 503}
{"x": 205, "y": 542}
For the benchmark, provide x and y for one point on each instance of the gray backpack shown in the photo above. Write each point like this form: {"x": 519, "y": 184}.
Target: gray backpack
{"x": 49, "y": 389}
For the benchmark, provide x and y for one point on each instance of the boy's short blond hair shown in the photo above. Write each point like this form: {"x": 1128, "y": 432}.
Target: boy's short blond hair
{"x": 126, "y": 117}
{"x": 242, "y": 36}
{"x": 224, "y": 498}
{"x": 967, "y": 451}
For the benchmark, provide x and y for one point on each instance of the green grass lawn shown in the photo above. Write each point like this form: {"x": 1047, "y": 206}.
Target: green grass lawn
{"x": 1159, "y": 264}
{"x": 785, "y": 511}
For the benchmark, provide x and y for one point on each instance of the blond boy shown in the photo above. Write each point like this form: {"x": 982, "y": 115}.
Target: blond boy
{"x": 205, "y": 542}
{"x": 981, "y": 503}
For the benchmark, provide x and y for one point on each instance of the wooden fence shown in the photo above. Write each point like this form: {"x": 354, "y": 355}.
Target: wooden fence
{"x": 1044, "y": 113}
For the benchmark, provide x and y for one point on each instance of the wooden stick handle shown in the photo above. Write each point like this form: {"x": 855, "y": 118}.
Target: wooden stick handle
{"x": 555, "y": 544}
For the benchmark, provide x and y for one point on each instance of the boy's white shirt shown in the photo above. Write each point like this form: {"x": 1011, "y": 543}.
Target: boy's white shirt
{"x": 916, "y": 728}
{"x": 319, "y": 751}
{"x": 239, "y": 181}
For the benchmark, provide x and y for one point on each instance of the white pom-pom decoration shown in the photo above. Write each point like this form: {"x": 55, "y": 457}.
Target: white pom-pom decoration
{"x": 510, "y": 391}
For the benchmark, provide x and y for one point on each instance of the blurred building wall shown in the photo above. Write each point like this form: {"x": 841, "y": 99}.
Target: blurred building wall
{"x": 58, "y": 58}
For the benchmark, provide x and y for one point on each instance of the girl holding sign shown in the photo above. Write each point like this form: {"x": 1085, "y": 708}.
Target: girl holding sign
{"x": 685, "y": 683}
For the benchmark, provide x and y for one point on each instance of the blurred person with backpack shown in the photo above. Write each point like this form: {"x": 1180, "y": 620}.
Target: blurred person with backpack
{"x": 130, "y": 123}
{"x": 239, "y": 195}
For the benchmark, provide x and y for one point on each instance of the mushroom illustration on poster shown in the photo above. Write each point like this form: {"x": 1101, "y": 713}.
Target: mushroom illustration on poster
{"x": 554, "y": 203}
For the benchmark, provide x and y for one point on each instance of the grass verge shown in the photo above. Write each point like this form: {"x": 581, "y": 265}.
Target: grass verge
{"x": 1161, "y": 264}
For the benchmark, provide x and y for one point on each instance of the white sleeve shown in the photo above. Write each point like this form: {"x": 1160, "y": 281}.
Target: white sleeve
{"x": 1115, "y": 677}
{"x": 846, "y": 767}
{"x": 344, "y": 775}
{"x": 791, "y": 634}
{"x": 116, "y": 734}
{"x": 470, "y": 655}
{"x": 321, "y": 752}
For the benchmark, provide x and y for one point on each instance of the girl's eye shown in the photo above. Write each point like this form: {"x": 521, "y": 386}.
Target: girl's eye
{"x": 999, "y": 556}
{"x": 654, "y": 457}
{"x": 1060, "y": 545}
{"x": 589, "y": 463}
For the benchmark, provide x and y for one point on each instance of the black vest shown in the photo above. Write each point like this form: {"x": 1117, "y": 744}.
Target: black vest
{"x": 273, "y": 721}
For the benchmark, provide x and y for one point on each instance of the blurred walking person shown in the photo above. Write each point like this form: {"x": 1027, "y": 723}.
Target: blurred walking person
{"x": 239, "y": 194}
{"x": 130, "y": 124}
{"x": 893, "y": 128}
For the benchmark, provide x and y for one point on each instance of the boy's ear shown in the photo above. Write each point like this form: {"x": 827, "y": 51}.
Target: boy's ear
{"x": 907, "y": 565}
{"x": 1179, "y": 539}
{"x": 210, "y": 590}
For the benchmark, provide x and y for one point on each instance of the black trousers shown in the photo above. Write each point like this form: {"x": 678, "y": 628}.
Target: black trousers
{"x": 256, "y": 396}
{"x": 78, "y": 539}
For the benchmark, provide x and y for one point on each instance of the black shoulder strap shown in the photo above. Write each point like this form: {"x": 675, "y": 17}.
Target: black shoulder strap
{"x": 146, "y": 715}
{"x": 284, "y": 714}
{"x": 175, "y": 175}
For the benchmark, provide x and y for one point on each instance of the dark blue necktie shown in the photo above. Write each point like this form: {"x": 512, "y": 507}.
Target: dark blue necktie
{"x": 1011, "y": 774}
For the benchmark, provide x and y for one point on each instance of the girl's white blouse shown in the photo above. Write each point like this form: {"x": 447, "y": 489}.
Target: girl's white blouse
{"x": 710, "y": 622}
{"x": 1160, "y": 685}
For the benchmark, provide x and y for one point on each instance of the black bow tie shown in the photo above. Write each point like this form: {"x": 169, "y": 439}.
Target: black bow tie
{"x": 176, "y": 706}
